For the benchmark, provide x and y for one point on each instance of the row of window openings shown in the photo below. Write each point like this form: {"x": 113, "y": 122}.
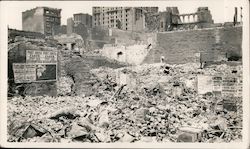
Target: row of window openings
{"x": 98, "y": 10}
{"x": 117, "y": 26}
{"x": 112, "y": 13}
{"x": 113, "y": 9}
{"x": 50, "y": 24}
{"x": 50, "y": 12}
{"x": 111, "y": 21}
{"x": 52, "y": 19}
{"x": 108, "y": 17}
{"x": 111, "y": 25}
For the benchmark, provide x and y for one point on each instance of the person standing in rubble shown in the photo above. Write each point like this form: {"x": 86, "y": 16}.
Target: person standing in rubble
{"x": 162, "y": 59}
{"x": 202, "y": 61}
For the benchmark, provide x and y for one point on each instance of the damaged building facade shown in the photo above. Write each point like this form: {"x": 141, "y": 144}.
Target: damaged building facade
{"x": 125, "y": 18}
{"x": 79, "y": 19}
{"x": 42, "y": 19}
{"x": 202, "y": 18}
{"x": 171, "y": 19}
{"x": 80, "y": 24}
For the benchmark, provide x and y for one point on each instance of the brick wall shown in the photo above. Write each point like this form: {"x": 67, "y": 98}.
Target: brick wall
{"x": 102, "y": 36}
{"x": 129, "y": 38}
{"x": 181, "y": 46}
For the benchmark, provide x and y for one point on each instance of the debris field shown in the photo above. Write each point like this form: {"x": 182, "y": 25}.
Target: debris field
{"x": 154, "y": 103}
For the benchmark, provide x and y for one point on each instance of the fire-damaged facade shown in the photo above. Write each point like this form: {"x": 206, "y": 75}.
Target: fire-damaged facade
{"x": 171, "y": 19}
{"x": 42, "y": 19}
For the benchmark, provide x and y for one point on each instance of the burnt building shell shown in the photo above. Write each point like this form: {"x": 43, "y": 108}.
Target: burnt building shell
{"x": 12, "y": 33}
{"x": 172, "y": 20}
{"x": 42, "y": 19}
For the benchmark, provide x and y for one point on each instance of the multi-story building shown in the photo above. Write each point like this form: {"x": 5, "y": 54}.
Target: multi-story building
{"x": 125, "y": 18}
{"x": 82, "y": 18}
{"x": 42, "y": 19}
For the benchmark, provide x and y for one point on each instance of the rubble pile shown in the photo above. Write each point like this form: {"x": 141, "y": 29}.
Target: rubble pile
{"x": 65, "y": 86}
{"x": 165, "y": 101}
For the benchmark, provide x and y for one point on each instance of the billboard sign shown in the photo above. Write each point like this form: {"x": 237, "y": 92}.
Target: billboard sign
{"x": 33, "y": 56}
{"x": 26, "y": 73}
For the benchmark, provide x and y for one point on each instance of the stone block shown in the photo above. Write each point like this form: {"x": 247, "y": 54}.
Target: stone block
{"x": 189, "y": 134}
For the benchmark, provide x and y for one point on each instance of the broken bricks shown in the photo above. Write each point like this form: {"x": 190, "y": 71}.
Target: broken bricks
{"x": 154, "y": 117}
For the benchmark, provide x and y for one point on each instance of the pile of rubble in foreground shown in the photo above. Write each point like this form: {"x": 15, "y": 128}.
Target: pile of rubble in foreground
{"x": 120, "y": 114}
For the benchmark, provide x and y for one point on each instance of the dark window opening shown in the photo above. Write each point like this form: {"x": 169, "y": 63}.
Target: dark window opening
{"x": 161, "y": 24}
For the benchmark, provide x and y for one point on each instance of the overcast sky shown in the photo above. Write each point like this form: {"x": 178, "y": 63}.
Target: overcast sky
{"x": 221, "y": 10}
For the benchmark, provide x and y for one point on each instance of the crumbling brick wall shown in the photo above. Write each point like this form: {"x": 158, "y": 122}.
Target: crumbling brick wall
{"x": 12, "y": 33}
{"x": 181, "y": 46}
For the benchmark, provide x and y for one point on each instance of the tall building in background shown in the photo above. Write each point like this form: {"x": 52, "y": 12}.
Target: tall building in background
{"x": 42, "y": 19}
{"x": 70, "y": 25}
{"x": 83, "y": 18}
{"x": 125, "y": 18}
{"x": 80, "y": 24}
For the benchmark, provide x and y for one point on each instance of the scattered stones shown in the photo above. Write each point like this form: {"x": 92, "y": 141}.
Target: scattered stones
{"x": 70, "y": 113}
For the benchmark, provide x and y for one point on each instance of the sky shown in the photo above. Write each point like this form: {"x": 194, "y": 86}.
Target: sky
{"x": 221, "y": 10}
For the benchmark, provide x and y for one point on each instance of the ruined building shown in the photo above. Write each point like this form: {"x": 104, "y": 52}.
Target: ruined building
{"x": 237, "y": 18}
{"x": 171, "y": 20}
{"x": 202, "y": 18}
{"x": 80, "y": 29}
{"x": 125, "y": 18}
{"x": 80, "y": 24}
{"x": 42, "y": 19}
{"x": 83, "y": 18}
{"x": 168, "y": 18}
